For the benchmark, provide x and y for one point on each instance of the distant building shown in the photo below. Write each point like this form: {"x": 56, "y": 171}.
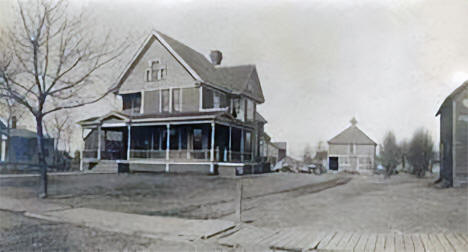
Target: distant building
{"x": 351, "y": 150}
{"x": 454, "y": 137}
{"x": 281, "y": 149}
{"x": 19, "y": 148}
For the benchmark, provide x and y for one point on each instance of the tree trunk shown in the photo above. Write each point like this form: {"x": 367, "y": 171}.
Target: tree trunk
{"x": 41, "y": 157}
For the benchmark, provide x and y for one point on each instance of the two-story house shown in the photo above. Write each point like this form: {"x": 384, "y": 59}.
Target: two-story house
{"x": 181, "y": 112}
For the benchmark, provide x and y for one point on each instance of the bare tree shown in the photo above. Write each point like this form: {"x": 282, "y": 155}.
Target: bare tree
{"x": 52, "y": 62}
{"x": 390, "y": 153}
{"x": 420, "y": 152}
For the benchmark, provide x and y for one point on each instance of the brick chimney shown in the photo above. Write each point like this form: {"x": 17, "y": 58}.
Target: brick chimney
{"x": 13, "y": 122}
{"x": 216, "y": 57}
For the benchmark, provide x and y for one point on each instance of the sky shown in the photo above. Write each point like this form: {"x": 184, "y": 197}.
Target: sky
{"x": 389, "y": 63}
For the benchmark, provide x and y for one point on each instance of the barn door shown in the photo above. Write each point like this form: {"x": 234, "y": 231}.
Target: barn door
{"x": 333, "y": 163}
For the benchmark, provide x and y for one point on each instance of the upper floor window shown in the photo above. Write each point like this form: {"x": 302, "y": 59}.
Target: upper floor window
{"x": 176, "y": 99}
{"x": 214, "y": 99}
{"x": 131, "y": 102}
{"x": 250, "y": 110}
{"x": 155, "y": 71}
{"x": 165, "y": 100}
{"x": 238, "y": 108}
{"x": 351, "y": 148}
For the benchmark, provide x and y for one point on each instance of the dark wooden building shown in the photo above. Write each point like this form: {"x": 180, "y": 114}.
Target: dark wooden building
{"x": 454, "y": 137}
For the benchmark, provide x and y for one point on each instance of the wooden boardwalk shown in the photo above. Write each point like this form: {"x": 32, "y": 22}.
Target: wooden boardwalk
{"x": 295, "y": 239}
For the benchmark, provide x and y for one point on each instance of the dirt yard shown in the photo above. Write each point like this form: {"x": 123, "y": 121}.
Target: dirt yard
{"x": 190, "y": 196}
{"x": 402, "y": 203}
{"x": 20, "y": 233}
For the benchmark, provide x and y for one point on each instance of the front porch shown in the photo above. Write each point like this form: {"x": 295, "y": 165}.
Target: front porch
{"x": 206, "y": 143}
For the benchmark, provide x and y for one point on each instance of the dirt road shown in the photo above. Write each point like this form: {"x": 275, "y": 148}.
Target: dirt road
{"x": 369, "y": 203}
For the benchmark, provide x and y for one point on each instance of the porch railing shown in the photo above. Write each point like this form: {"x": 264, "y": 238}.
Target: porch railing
{"x": 204, "y": 154}
{"x": 90, "y": 153}
{"x": 150, "y": 154}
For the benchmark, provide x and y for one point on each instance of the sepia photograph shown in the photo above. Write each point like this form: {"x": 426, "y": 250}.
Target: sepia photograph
{"x": 249, "y": 125}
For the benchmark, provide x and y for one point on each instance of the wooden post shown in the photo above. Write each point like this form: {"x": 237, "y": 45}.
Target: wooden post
{"x": 242, "y": 145}
{"x": 99, "y": 143}
{"x": 230, "y": 143}
{"x": 212, "y": 147}
{"x": 129, "y": 141}
{"x": 168, "y": 144}
{"x": 238, "y": 201}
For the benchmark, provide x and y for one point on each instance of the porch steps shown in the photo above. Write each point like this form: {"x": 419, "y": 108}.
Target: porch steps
{"x": 104, "y": 166}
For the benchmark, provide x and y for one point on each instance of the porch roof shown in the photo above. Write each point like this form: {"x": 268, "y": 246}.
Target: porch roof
{"x": 160, "y": 117}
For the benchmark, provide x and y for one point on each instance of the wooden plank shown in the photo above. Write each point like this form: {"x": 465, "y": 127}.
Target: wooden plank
{"x": 380, "y": 243}
{"x": 436, "y": 243}
{"x": 361, "y": 245}
{"x": 370, "y": 245}
{"x": 326, "y": 239}
{"x": 314, "y": 241}
{"x": 355, "y": 237}
{"x": 427, "y": 243}
{"x": 409, "y": 246}
{"x": 418, "y": 246}
{"x": 390, "y": 242}
{"x": 270, "y": 239}
{"x": 285, "y": 235}
{"x": 333, "y": 244}
{"x": 399, "y": 244}
{"x": 456, "y": 242}
{"x": 344, "y": 241}
{"x": 445, "y": 243}
{"x": 463, "y": 237}
{"x": 301, "y": 242}
{"x": 297, "y": 244}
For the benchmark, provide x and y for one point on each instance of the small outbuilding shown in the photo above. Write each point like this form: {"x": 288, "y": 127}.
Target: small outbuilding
{"x": 351, "y": 150}
{"x": 454, "y": 137}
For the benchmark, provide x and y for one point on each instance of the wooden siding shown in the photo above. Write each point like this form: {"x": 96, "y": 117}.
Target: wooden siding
{"x": 446, "y": 142}
{"x": 177, "y": 75}
{"x": 361, "y": 158}
{"x": 461, "y": 137}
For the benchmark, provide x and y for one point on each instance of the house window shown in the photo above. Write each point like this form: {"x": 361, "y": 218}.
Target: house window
{"x": 248, "y": 141}
{"x": 131, "y": 102}
{"x": 156, "y": 71}
{"x": 250, "y": 110}
{"x": 351, "y": 148}
{"x": 176, "y": 106}
{"x": 239, "y": 109}
{"x": 214, "y": 99}
{"x": 165, "y": 100}
{"x": 207, "y": 98}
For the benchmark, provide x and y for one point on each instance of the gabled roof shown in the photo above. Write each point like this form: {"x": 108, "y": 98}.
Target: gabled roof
{"x": 260, "y": 118}
{"x": 234, "y": 79}
{"x": 452, "y": 95}
{"x": 281, "y": 145}
{"x": 352, "y": 135}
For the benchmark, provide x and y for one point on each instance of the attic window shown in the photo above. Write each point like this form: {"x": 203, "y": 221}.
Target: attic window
{"x": 155, "y": 71}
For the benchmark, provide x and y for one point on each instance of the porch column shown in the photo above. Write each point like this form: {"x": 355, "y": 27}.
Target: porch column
{"x": 230, "y": 143}
{"x": 242, "y": 145}
{"x": 168, "y": 144}
{"x": 4, "y": 142}
{"x": 99, "y": 143}
{"x": 129, "y": 141}
{"x": 212, "y": 147}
